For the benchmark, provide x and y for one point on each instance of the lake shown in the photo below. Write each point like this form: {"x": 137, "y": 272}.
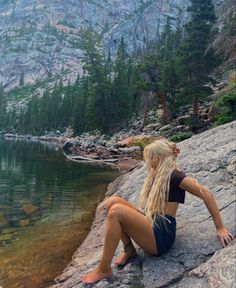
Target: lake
{"x": 47, "y": 205}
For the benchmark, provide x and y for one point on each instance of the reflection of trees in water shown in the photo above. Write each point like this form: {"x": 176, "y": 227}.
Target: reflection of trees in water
{"x": 38, "y": 174}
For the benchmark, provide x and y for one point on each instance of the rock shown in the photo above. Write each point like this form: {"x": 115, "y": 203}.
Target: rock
{"x": 151, "y": 113}
{"x": 218, "y": 271}
{"x": 182, "y": 120}
{"x": 9, "y": 231}
{"x": 67, "y": 145}
{"x": 153, "y": 126}
{"x": 130, "y": 149}
{"x": 114, "y": 150}
{"x": 15, "y": 218}
{"x": 29, "y": 209}
{"x": 159, "y": 113}
{"x": 153, "y": 272}
{"x": 179, "y": 127}
{"x": 207, "y": 157}
{"x": 127, "y": 163}
{"x": 6, "y": 237}
{"x": 165, "y": 128}
{"x": 24, "y": 222}
{"x": 136, "y": 124}
{"x": 3, "y": 221}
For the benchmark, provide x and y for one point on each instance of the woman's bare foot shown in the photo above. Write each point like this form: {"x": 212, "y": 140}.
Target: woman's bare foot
{"x": 130, "y": 252}
{"x": 96, "y": 275}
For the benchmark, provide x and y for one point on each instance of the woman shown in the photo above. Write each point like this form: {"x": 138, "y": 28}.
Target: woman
{"x": 154, "y": 231}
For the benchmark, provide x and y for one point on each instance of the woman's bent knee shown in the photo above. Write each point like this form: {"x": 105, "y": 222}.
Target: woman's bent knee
{"x": 111, "y": 201}
{"x": 115, "y": 210}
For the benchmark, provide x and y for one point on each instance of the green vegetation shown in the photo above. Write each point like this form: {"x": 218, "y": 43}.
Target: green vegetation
{"x": 2, "y": 105}
{"x": 225, "y": 108}
{"x": 180, "y": 136}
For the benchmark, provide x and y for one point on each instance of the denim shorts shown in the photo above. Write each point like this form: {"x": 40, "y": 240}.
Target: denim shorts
{"x": 165, "y": 232}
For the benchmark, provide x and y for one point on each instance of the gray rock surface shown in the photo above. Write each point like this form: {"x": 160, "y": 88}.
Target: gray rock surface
{"x": 196, "y": 258}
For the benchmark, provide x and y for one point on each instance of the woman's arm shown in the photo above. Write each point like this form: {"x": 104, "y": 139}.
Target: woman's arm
{"x": 191, "y": 185}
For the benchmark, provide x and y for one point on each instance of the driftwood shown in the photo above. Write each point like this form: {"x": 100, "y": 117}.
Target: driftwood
{"x": 92, "y": 159}
{"x": 82, "y": 159}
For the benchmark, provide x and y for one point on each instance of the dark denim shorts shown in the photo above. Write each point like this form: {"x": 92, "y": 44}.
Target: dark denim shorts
{"x": 165, "y": 232}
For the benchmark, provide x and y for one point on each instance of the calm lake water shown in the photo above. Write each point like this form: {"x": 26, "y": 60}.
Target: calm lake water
{"x": 47, "y": 205}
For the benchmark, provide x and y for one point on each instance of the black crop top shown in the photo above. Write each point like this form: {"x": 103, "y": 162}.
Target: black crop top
{"x": 176, "y": 194}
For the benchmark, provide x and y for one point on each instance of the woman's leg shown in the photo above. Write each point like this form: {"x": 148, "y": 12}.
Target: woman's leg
{"x": 135, "y": 225}
{"x": 118, "y": 199}
{"x": 131, "y": 251}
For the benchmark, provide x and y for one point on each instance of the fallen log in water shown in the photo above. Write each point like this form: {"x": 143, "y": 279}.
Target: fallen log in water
{"x": 82, "y": 159}
{"x": 92, "y": 159}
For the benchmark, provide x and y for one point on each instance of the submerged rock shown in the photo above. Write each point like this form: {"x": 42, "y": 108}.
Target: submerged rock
{"x": 207, "y": 157}
{"x": 29, "y": 209}
{"x": 3, "y": 220}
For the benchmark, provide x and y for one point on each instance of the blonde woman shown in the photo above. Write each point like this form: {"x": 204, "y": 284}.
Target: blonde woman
{"x": 154, "y": 228}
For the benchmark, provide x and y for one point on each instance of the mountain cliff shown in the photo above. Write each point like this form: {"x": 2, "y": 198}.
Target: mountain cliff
{"x": 40, "y": 38}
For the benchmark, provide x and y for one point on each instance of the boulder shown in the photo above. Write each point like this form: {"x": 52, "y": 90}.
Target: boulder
{"x": 183, "y": 119}
{"x": 67, "y": 145}
{"x": 197, "y": 258}
{"x": 165, "y": 128}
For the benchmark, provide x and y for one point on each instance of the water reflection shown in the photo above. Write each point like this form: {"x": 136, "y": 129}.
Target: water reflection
{"x": 45, "y": 201}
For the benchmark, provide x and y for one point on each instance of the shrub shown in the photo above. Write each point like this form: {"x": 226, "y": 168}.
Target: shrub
{"x": 181, "y": 136}
{"x": 226, "y": 108}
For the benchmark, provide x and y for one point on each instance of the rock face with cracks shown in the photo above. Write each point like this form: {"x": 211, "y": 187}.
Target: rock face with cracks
{"x": 196, "y": 259}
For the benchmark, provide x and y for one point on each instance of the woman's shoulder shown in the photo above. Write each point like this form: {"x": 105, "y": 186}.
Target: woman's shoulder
{"x": 177, "y": 171}
{"x": 177, "y": 176}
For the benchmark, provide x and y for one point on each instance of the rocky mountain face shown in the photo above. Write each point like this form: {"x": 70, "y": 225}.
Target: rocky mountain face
{"x": 197, "y": 258}
{"x": 41, "y": 37}
{"x": 225, "y": 41}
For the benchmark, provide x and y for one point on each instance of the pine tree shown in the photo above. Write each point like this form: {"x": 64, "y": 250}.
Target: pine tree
{"x": 168, "y": 78}
{"x": 80, "y": 106}
{"x": 97, "y": 112}
{"x": 2, "y": 106}
{"x": 195, "y": 57}
{"x": 22, "y": 79}
{"x": 120, "y": 98}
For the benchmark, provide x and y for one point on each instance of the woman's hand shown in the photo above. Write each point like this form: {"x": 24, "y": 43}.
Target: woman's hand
{"x": 224, "y": 236}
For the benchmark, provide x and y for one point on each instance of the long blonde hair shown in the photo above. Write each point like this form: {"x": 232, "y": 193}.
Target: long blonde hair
{"x": 155, "y": 190}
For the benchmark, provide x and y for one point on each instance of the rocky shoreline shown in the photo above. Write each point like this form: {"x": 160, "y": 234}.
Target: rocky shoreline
{"x": 124, "y": 147}
{"x": 197, "y": 258}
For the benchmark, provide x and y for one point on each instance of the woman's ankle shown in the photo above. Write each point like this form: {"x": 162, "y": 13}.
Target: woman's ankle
{"x": 129, "y": 247}
{"x": 104, "y": 269}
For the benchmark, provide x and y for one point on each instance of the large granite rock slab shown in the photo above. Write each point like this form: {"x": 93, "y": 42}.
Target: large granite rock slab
{"x": 197, "y": 258}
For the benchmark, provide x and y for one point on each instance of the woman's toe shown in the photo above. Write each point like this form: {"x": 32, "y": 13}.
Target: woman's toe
{"x": 118, "y": 262}
{"x": 82, "y": 278}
